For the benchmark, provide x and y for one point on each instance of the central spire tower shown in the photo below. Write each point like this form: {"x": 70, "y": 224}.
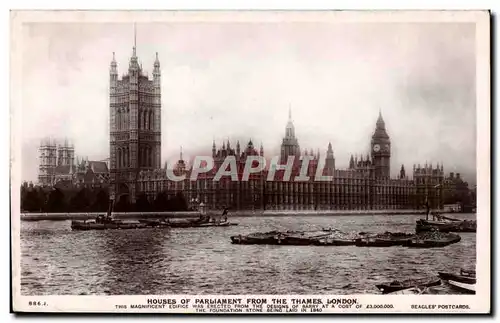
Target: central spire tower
{"x": 290, "y": 145}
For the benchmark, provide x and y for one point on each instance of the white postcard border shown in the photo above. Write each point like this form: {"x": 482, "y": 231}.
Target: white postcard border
{"x": 479, "y": 303}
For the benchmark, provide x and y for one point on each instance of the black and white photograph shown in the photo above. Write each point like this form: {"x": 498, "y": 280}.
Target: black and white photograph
{"x": 266, "y": 162}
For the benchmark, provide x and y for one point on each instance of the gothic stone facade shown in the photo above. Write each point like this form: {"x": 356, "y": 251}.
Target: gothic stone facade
{"x": 135, "y": 126}
{"x": 365, "y": 185}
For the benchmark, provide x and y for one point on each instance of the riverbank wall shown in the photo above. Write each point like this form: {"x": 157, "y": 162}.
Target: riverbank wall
{"x": 195, "y": 214}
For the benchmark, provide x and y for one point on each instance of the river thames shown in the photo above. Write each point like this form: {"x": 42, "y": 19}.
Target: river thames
{"x": 197, "y": 261}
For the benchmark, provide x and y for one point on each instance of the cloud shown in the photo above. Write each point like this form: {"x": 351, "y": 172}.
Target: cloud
{"x": 238, "y": 80}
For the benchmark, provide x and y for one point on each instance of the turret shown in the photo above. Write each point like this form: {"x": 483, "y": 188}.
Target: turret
{"x": 402, "y": 173}
{"x": 290, "y": 145}
{"x": 261, "y": 150}
{"x": 113, "y": 70}
{"x": 156, "y": 73}
{"x": 329, "y": 160}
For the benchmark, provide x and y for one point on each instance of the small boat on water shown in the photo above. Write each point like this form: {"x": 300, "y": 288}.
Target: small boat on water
{"x": 446, "y": 226}
{"x": 442, "y": 240}
{"x": 106, "y": 222}
{"x": 111, "y": 225}
{"x": 387, "y": 239}
{"x": 413, "y": 291}
{"x": 255, "y": 238}
{"x": 398, "y": 285}
{"x": 200, "y": 225}
{"x": 463, "y": 287}
{"x": 465, "y": 281}
{"x": 465, "y": 276}
{"x": 443, "y": 224}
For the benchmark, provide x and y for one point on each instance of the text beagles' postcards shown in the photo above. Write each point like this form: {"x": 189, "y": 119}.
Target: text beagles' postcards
{"x": 250, "y": 162}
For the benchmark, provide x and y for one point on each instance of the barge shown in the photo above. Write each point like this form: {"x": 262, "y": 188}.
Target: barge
{"x": 106, "y": 222}
{"x": 337, "y": 238}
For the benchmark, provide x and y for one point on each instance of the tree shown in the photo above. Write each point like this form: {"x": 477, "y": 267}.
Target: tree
{"x": 123, "y": 205}
{"x": 142, "y": 204}
{"x": 160, "y": 204}
{"x": 56, "y": 202}
{"x": 178, "y": 203}
{"x": 80, "y": 202}
{"x": 101, "y": 201}
{"x": 30, "y": 201}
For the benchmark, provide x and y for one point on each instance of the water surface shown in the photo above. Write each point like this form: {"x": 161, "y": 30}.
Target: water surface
{"x": 56, "y": 260}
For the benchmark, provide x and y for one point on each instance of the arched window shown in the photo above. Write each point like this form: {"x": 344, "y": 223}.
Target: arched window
{"x": 145, "y": 125}
{"x": 126, "y": 164}
{"x": 118, "y": 120}
{"x": 141, "y": 118}
{"x": 150, "y": 120}
{"x": 149, "y": 157}
{"x": 119, "y": 157}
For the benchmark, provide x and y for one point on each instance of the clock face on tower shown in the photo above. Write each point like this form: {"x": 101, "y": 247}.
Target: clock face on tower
{"x": 376, "y": 148}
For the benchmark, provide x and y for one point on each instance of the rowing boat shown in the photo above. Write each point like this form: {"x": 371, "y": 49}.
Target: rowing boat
{"x": 398, "y": 285}
{"x": 466, "y": 288}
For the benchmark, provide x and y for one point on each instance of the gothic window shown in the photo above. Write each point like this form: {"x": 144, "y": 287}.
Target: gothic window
{"x": 144, "y": 120}
{"x": 119, "y": 158}
{"x": 124, "y": 118}
{"x": 140, "y": 119}
{"x": 118, "y": 119}
{"x": 150, "y": 155}
{"x": 150, "y": 120}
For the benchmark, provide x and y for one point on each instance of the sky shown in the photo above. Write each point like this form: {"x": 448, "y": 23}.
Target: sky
{"x": 237, "y": 81}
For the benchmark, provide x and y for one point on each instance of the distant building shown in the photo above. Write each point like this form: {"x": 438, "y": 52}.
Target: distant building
{"x": 58, "y": 167}
{"x": 456, "y": 191}
{"x": 55, "y": 159}
{"x": 365, "y": 185}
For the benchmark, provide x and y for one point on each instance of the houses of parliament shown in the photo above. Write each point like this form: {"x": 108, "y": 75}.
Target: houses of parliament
{"x": 135, "y": 146}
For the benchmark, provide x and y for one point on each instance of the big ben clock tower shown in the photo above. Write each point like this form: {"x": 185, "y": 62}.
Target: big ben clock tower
{"x": 381, "y": 150}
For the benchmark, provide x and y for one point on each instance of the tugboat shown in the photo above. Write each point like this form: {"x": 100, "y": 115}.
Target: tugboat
{"x": 105, "y": 222}
{"x": 442, "y": 223}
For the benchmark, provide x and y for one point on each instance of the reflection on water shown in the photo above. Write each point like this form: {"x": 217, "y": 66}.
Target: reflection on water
{"x": 56, "y": 260}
